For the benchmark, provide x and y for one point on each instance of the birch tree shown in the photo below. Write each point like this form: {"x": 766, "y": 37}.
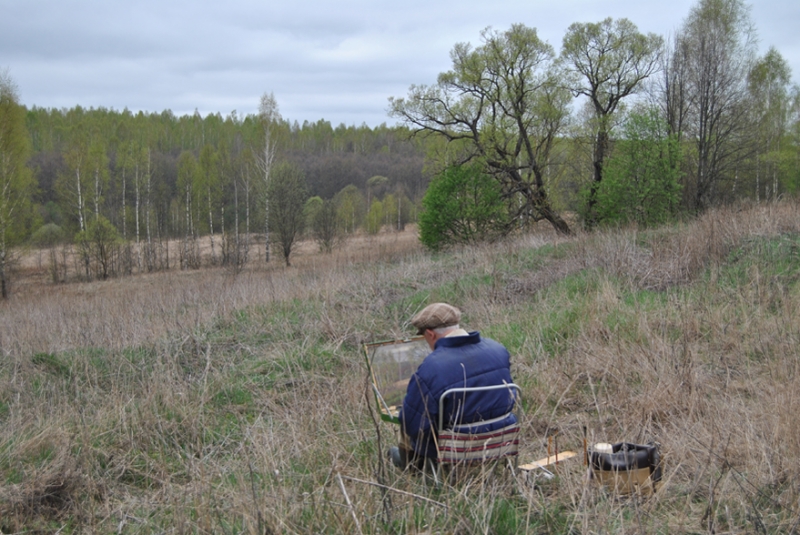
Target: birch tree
{"x": 350, "y": 208}
{"x": 148, "y": 208}
{"x": 75, "y": 183}
{"x": 768, "y": 84}
{"x": 125, "y": 163}
{"x": 269, "y": 116}
{"x": 141, "y": 179}
{"x": 210, "y": 187}
{"x": 187, "y": 178}
{"x": 99, "y": 168}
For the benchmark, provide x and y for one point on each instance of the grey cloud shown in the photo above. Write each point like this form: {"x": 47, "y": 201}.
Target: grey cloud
{"x": 333, "y": 60}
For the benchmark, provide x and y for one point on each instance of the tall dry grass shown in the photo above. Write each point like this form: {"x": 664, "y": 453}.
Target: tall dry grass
{"x": 203, "y": 402}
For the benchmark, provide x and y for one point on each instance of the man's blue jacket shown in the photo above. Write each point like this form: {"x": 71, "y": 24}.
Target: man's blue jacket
{"x": 458, "y": 361}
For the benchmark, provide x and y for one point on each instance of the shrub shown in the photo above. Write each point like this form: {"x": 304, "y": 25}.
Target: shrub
{"x": 462, "y": 205}
{"x": 641, "y": 181}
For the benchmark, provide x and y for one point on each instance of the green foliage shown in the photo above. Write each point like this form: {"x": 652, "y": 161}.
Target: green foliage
{"x": 641, "y": 183}
{"x": 16, "y": 180}
{"x": 375, "y": 217}
{"x": 768, "y": 84}
{"x": 608, "y": 61}
{"x": 503, "y": 103}
{"x": 48, "y": 235}
{"x": 376, "y": 185}
{"x": 51, "y": 212}
{"x": 462, "y": 205}
{"x": 310, "y": 210}
{"x": 350, "y": 209}
{"x": 390, "y": 210}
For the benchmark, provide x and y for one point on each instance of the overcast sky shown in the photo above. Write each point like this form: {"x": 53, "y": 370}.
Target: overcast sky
{"x": 338, "y": 61}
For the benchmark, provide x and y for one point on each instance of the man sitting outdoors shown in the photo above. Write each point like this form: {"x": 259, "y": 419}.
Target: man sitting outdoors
{"x": 458, "y": 359}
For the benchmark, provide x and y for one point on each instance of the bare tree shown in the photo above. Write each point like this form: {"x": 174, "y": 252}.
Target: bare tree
{"x": 670, "y": 90}
{"x": 187, "y": 179}
{"x": 715, "y": 51}
{"x": 325, "y": 226}
{"x": 287, "y": 195}
{"x": 269, "y": 115}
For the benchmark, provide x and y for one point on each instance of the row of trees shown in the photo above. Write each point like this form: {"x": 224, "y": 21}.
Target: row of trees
{"x": 661, "y": 129}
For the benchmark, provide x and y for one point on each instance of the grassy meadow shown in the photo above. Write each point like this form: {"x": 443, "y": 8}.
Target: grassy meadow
{"x": 203, "y": 402}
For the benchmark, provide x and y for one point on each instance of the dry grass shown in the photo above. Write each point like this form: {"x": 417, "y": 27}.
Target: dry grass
{"x": 134, "y": 311}
{"x": 202, "y": 402}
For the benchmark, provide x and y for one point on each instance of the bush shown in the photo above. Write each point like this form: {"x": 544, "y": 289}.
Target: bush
{"x": 99, "y": 245}
{"x": 462, "y": 205}
{"x": 641, "y": 181}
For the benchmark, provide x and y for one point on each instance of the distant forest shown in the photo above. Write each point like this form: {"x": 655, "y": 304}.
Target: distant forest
{"x": 128, "y": 164}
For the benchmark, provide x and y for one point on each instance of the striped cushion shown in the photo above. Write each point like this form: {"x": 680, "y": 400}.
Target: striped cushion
{"x": 455, "y": 447}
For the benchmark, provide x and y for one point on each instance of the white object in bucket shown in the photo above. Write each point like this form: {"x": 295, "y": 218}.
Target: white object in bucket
{"x": 603, "y": 447}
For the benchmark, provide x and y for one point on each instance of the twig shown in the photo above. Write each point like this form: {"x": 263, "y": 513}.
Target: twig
{"x": 349, "y": 504}
{"x": 398, "y": 491}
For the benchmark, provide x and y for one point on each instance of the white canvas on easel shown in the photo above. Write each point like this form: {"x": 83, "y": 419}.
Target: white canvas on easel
{"x": 391, "y": 364}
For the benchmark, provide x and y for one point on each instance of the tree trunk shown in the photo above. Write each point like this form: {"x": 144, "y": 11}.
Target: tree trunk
{"x": 211, "y": 227}
{"x": 97, "y": 193}
{"x": 138, "y": 208}
{"x": 124, "y": 212}
{"x": 150, "y": 259}
{"x": 600, "y": 149}
{"x": 81, "y": 219}
{"x": 3, "y": 282}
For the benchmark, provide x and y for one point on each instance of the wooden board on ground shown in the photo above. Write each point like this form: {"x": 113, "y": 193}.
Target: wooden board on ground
{"x": 549, "y": 460}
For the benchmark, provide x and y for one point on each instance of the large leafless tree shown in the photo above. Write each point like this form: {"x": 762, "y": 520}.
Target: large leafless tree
{"x": 708, "y": 97}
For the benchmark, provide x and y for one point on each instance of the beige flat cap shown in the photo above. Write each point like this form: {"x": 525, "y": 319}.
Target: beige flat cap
{"x": 435, "y": 316}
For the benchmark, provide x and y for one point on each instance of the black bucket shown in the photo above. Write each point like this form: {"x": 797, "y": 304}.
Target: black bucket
{"x": 628, "y": 468}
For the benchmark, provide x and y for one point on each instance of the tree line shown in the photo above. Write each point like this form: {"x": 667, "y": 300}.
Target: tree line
{"x": 119, "y": 186}
{"x": 617, "y": 127}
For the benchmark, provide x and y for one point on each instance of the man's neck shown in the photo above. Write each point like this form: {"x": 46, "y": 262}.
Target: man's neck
{"x": 456, "y": 332}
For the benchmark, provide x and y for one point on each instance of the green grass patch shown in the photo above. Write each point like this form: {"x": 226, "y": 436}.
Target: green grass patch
{"x": 52, "y": 364}
{"x": 558, "y": 328}
{"x": 777, "y": 258}
{"x": 233, "y": 395}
